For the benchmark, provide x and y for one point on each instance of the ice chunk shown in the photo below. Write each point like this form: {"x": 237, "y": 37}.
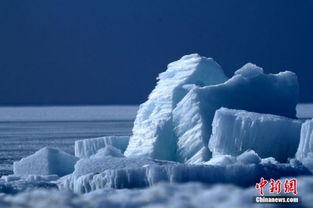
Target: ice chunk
{"x": 249, "y": 89}
{"x": 87, "y": 147}
{"x": 97, "y": 165}
{"x": 305, "y": 149}
{"x": 249, "y": 70}
{"x": 153, "y": 130}
{"x": 108, "y": 151}
{"x": 46, "y": 161}
{"x": 235, "y": 131}
{"x": 248, "y": 157}
{"x": 308, "y": 161}
{"x": 239, "y": 173}
{"x": 306, "y": 140}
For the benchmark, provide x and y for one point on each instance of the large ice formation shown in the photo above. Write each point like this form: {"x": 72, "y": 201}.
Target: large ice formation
{"x": 153, "y": 129}
{"x": 46, "y": 161}
{"x": 235, "y": 131}
{"x": 249, "y": 89}
{"x": 87, "y": 147}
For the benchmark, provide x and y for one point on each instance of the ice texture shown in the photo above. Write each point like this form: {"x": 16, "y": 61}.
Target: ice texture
{"x": 244, "y": 170}
{"x": 87, "y": 147}
{"x": 235, "y": 131}
{"x": 108, "y": 151}
{"x": 97, "y": 165}
{"x": 306, "y": 140}
{"x": 153, "y": 130}
{"x": 161, "y": 195}
{"x": 305, "y": 149}
{"x": 46, "y": 161}
{"x": 249, "y": 89}
{"x": 16, "y": 184}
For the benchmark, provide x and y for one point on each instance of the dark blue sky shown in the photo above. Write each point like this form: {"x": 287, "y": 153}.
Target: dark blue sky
{"x": 65, "y": 52}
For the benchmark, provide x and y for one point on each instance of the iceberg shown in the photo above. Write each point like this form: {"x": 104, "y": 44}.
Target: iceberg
{"x": 46, "y": 161}
{"x": 249, "y": 89}
{"x": 87, "y": 147}
{"x": 235, "y": 131}
{"x": 153, "y": 129}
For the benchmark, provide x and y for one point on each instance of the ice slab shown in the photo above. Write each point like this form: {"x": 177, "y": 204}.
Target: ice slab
{"x": 87, "y": 147}
{"x": 153, "y": 130}
{"x": 235, "y": 131}
{"x": 244, "y": 170}
{"x": 96, "y": 165}
{"x": 249, "y": 89}
{"x": 46, "y": 161}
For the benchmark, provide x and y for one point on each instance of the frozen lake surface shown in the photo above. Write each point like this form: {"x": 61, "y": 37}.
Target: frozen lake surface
{"x": 23, "y": 130}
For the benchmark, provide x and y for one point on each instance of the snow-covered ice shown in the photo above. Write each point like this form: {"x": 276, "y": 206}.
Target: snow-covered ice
{"x": 249, "y": 89}
{"x": 235, "y": 131}
{"x": 153, "y": 129}
{"x": 87, "y": 147}
{"x": 46, "y": 161}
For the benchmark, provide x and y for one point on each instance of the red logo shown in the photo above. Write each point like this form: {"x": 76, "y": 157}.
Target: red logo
{"x": 290, "y": 186}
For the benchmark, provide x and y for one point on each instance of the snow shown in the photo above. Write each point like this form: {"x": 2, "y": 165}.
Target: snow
{"x": 235, "y": 131}
{"x": 108, "y": 151}
{"x": 244, "y": 170}
{"x": 87, "y": 147}
{"x": 46, "y": 161}
{"x": 153, "y": 129}
{"x": 249, "y": 89}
